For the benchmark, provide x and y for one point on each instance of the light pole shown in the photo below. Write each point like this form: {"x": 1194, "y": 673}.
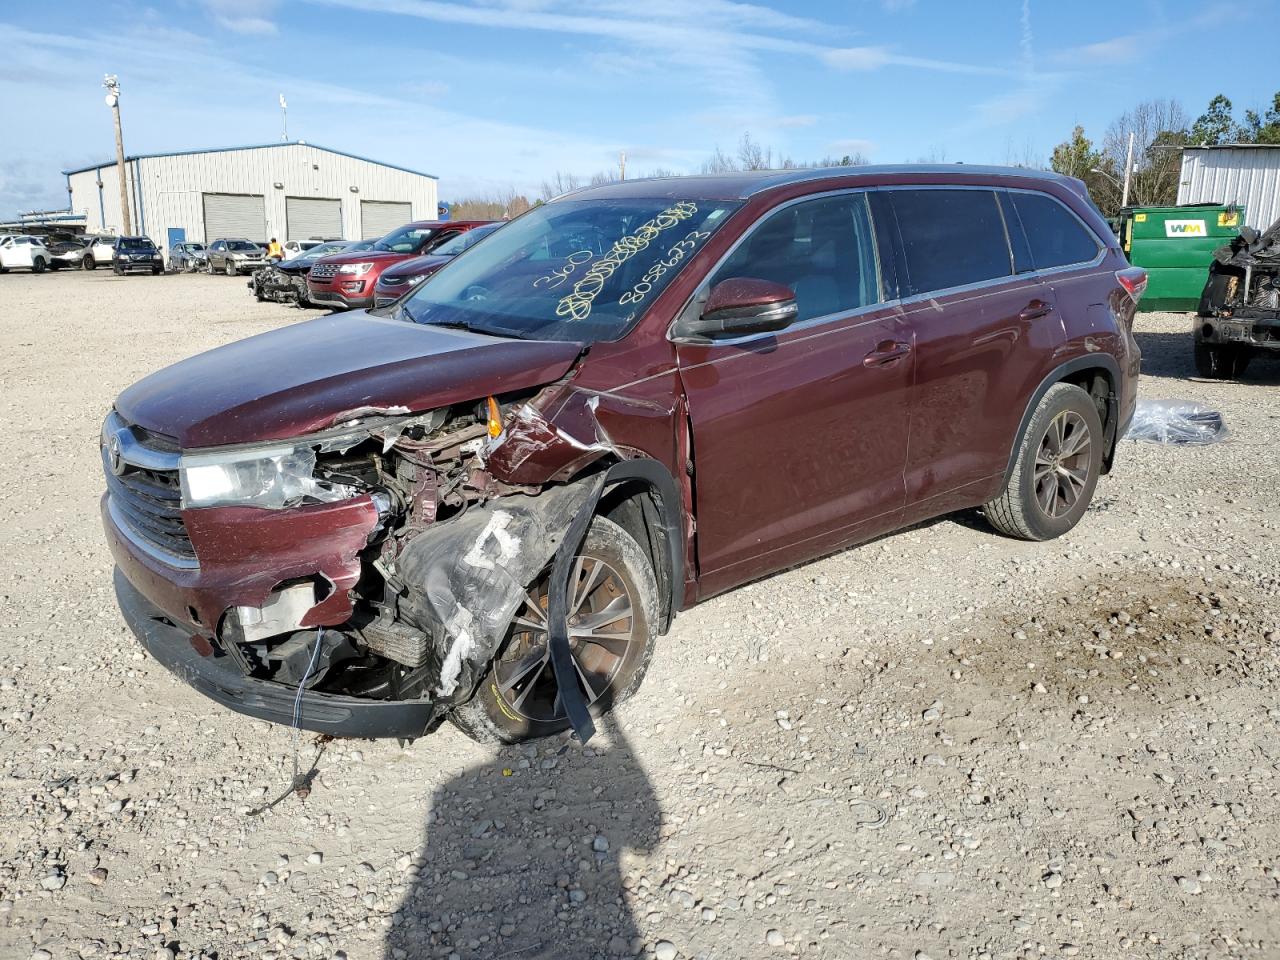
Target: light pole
{"x": 112, "y": 83}
{"x": 1103, "y": 173}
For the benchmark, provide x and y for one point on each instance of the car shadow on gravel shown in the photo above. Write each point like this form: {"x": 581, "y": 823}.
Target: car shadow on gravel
{"x": 522, "y": 856}
{"x": 1170, "y": 355}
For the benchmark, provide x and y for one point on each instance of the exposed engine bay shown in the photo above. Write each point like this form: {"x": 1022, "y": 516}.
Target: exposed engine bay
{"x": 1244, "y": 279}
{"x": 446, "y": 566}
{"x": 279, "y": 286}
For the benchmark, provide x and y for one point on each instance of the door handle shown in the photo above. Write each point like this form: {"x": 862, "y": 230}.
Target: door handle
{"x": 886, "y": 352}
{"x": 1034, "y": 309}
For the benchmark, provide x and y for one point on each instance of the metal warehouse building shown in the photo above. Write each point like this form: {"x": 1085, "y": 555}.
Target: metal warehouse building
{"x": 1247, "y": 174}
{"x": 291, "y": 191}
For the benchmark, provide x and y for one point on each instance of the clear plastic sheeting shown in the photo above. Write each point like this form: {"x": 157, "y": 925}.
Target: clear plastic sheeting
{"x": 1176, "y": 421}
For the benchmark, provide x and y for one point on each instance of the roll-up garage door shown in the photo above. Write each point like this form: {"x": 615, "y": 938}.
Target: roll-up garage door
{"x": 234, "y": 215}
{"x": 378, "y": 217}
{"x": 309, "y": 218}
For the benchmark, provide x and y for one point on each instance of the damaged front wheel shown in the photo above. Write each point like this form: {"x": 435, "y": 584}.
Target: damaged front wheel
{"x": 613, "y": 613}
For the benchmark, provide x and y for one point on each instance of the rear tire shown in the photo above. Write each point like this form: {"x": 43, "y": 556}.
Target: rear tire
{"x": 37, "y": 265}
{"x": 495, "y": 716}
{"x": 88, "y": 262}
{"x": 1221, "y": 361}
{"x": 1056, "y": 470}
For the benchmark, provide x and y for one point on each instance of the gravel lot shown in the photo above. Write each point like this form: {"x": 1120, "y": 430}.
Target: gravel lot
{"x": 941, "y": 744}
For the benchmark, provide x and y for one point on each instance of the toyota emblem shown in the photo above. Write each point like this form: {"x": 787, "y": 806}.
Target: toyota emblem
{"x": 114, "y": 457}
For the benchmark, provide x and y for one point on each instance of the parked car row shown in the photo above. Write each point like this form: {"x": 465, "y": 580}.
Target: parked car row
{"x": 350, "y": 275}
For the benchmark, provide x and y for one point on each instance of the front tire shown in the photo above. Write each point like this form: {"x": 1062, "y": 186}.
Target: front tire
{"x": 613, "y": 609}
{"x": 229, "y": 268}
{"x": 1056, "y": 470}
{"x": 1221, "y": 361}
{"x": 88, "y": 262}
{"x": 208, "y": 267}
{"x": 37, "y": 265}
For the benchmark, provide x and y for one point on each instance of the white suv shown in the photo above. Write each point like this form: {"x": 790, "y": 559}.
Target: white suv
{"x": 23, "y": 253}
{"x": 101, "y": 250}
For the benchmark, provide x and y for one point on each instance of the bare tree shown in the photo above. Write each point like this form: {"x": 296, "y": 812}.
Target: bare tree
{"x": 1159, "y": 129}
{"x": 601, "y": 177}
{"x": 719, "y": 162}
{"x": 560, "y": 182}
{"x": 753, "y": 156}
{"x": 502, "y": 205}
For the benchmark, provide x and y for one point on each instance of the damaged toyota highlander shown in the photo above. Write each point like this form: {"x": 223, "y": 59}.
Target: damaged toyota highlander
{"x": 487, "y": 501}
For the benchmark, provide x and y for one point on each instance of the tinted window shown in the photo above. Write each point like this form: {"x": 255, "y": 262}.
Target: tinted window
{"x": 822, "y": 249}
{"x": 950, "y": 238}
{"x": 1054, "y": 234}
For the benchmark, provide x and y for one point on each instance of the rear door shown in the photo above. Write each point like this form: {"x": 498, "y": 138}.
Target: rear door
{"x": 799, "y": 437}
{"x": 983, "y": 324}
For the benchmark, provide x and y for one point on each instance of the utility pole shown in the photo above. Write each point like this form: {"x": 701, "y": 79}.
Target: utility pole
{"x": 622, "y": 166}
{"x": 284, "y": 118}
{"x": 1128, "y": 172}
{"x": 112, "y": 83}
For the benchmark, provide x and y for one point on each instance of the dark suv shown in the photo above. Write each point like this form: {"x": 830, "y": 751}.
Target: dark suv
{"x": 136, "y": 253}
{"x": 488, "y": 501}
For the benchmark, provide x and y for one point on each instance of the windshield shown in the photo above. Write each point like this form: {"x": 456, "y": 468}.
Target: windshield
{"x": 579, "y": 270}
{"x": 405, "y": 240}
{"x": 241, "y": 245}
{"x": 464, "y": 241}
{"x": 136, "y": 243}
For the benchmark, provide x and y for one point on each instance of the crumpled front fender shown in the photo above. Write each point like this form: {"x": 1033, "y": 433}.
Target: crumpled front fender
{"x": 467, "y": 577}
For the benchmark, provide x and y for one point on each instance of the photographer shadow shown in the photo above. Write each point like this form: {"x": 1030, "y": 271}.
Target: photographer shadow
{"x": 522, "y": 856}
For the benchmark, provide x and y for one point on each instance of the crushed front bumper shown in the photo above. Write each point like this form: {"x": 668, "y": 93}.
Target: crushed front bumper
{"x": 217, "y": 677}
{"x": 1261, "y": 332}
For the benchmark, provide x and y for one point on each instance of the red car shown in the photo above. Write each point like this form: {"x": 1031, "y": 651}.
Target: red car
{"x": 346, "y": 280}
{"x": 487, "y": 504}
{"x": 400, "y": 278}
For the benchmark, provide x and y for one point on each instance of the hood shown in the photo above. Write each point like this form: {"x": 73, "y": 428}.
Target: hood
{"x": 303, "y": 377}
{"x": 418, "y": 266}
{"x": 377, "y": 256}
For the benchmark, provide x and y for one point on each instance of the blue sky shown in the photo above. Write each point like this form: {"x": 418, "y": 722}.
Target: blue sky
{"x": 489, "y": 94}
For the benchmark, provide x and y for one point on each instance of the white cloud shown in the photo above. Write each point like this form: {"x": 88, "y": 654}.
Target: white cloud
{"x": 232, "y": 15}
{"x": 851, "y": 146}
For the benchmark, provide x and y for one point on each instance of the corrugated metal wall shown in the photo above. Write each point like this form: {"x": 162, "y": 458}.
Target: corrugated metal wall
{"x": 1244, "y": 175}
{"x": 167, "y": 192}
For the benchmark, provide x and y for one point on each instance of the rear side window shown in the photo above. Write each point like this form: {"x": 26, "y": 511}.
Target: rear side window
{"x": 822, "y": 249}
{"x": 1056, "y": 237}
{"x": 950, "y": 238}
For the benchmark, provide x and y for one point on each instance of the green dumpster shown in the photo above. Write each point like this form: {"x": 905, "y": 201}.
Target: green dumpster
{"x": 1175, "y": 246}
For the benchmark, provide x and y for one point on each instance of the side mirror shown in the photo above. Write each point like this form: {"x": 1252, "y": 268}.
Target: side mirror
{"x": 740, "y": 306}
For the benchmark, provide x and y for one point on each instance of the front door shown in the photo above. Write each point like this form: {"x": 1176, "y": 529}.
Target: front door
{"x": 800, "y": 437}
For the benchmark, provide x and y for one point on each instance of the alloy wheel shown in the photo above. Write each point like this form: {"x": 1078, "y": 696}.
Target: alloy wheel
{"x": 601, "y": 631}
{"x": 1062, "y": 464}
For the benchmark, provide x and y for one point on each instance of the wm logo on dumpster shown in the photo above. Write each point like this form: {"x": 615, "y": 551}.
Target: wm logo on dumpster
{"x": 1185, "y": 228}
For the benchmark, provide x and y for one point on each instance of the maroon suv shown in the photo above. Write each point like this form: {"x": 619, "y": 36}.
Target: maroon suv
{"x": 347, "y": 280}
{"x": 489, "y": 503}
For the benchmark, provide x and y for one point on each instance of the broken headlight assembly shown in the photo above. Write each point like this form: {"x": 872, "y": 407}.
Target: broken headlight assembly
{"x": 274, "y": 476}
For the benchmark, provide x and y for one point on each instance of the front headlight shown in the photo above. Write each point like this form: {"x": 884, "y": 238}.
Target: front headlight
{"x": 414, "y": 281}
{"x": 274, "y": 477}
{"x": 355, "y": 269}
